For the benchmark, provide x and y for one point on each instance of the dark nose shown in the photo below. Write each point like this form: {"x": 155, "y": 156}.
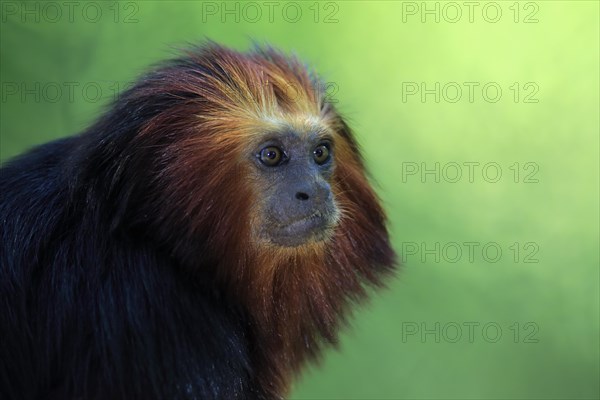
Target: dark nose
{"x": 302, "y": 196}
{"x": 314, "y": 191}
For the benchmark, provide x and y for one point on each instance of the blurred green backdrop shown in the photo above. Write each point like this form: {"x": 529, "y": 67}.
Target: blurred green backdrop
{"x": 499, "y": 293}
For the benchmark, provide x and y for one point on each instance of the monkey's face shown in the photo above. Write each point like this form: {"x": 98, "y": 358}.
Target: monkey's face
{"x": 293, "y": 171}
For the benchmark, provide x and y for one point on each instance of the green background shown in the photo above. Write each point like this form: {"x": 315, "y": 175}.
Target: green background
{"x": 404, "y": 344}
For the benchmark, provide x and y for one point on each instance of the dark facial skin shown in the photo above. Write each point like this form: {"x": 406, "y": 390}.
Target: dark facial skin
{"x": 294, "y": 171}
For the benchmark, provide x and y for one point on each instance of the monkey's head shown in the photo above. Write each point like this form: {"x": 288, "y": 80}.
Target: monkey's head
{"x": 238, "y": 166}
{"x": 292, "y": 167}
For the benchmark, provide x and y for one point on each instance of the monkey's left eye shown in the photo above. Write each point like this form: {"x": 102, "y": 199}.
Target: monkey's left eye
{"x": 271, "y": 156}
{"x": 321, "y": 154}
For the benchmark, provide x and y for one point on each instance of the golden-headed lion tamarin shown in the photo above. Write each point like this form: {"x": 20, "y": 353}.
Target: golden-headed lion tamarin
{"x": 201, "y": 240}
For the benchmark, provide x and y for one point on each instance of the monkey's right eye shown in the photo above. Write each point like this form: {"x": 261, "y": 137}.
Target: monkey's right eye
{"x": 271, "y": 156}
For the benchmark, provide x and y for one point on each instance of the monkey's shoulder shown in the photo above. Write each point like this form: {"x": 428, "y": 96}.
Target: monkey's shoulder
{"x": 35, "y": 176}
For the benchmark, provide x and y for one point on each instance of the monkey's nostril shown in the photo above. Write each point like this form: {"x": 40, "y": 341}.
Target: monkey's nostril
{"x": 301, "y": 196}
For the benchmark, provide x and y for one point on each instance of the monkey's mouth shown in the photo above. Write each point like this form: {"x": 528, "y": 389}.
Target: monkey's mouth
{"x": 309, "y": 223}
{"x": 299, "y": 231}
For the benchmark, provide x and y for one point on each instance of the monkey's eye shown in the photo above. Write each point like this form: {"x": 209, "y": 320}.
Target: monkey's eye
{"x": 321, "y": 154}
{"x": 271, "y": 156}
